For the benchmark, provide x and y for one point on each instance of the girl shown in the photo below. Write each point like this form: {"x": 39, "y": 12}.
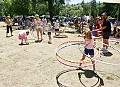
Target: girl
{"x": 49, "y": 32}
{"x": 38, "y": 25}
{"x": 89, "y": 47}
{"x": 23, "y": 36}
{"x": 57, "y": 26}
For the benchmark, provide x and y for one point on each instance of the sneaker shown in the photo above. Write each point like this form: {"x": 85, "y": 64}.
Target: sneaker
{"x": 43, "y": 33}
{"x": 105, "y": 51}
{"x": 21, "y": 43}
{"x": 49, "y": 42}
{"x": 94, "y": 71}
{"x": 37, "y": 41}
{"x": 79, "y": 68}
{"x": 27, "y": 43}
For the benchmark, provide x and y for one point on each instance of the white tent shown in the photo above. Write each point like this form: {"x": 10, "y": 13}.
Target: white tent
{"x": 110, "y": 1}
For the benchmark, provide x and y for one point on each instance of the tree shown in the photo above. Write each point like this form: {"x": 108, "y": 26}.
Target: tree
{"x": 5, "y": 7}
{"x": 51, "y": 8}
{"x": 21, "y": 7}
{"x": 93, "y": 8}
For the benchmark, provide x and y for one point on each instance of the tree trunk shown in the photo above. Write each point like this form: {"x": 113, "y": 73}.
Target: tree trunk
{"x": 50, "y": 8}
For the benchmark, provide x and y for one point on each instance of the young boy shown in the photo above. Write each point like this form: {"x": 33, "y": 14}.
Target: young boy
{"x": 49, "y": 32}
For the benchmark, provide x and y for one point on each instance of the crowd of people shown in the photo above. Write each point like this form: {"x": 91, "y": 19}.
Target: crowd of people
{"x": 36, "y": 23}
{"x": 97, "y": 28}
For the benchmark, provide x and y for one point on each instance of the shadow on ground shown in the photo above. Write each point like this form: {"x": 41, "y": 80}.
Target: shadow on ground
{"x": 87, "y": 73}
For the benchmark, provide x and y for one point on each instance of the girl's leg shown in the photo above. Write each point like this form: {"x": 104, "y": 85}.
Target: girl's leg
{"x": 37, "y": 33}
{"x": 83, "y": 57}
{"x": 93, "y": 62}
{"x": 49, "y": 37}
{"x": 22, "y": 41}
{"x": 41, "y": 33}
{"x": 26, "y": 40}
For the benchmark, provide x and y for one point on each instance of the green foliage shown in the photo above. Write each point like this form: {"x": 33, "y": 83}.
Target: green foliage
{"x": 55, "y": 7}
{"x": 111, "y": 9}
{"x": 91, "y": 8}
{"x": 72, "y": 10}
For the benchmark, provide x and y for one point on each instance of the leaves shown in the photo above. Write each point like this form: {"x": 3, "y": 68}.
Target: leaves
{"x": 55, "y": 7}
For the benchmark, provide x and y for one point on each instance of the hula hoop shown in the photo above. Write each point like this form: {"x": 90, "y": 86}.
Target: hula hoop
{"x": 74, "y": 64}
{"x": 60, "y": 36}
{"x": 114, "y": 40}
{"x": 63, "y": 60}
{"x": 108, "y": 63}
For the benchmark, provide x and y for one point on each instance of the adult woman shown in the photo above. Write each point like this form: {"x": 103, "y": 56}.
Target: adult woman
{"x": 9, "y": 25}
{"x": 98, "y": 26}
{"x": 38, "y": 25}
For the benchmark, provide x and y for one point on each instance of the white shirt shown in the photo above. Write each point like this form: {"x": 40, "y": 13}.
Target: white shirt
{"x": 44, "y": 21}
{"x": 56, "y": 25}
{"x": 23, "y": 32}
{"x": 49, "y": 27}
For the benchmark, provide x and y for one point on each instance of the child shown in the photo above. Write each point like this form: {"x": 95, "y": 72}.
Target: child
{"x": 44, "y": 21}
{"x": 57, "y": 25}
{"x": 23, "y": 36}
{"x": 32, "y": 26}
{"x": 49, "y": 32}
{"x": 89, "y": 47}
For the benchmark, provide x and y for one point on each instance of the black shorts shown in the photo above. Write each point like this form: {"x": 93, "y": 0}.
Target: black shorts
{"x": 9, "y": 27}
{"x": 90, "y": 27}
{"x": 56, "y": 29}
{"x": 89, "y": 51}
{"x": 49, "y": 33}
{"x": 106, "y": 35}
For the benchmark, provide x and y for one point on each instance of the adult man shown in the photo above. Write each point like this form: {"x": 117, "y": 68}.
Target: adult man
{"x": 9, "y": 25}
{"x": 106, "y": 29}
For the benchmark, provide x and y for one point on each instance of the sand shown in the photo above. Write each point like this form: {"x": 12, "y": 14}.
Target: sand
{"x": 35, "y": 65}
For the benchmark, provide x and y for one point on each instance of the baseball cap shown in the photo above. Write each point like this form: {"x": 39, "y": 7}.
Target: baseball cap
{"x": 104, "y": 13}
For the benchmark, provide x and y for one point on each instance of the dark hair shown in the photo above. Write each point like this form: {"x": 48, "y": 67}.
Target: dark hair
{"x": 27, "y": 32}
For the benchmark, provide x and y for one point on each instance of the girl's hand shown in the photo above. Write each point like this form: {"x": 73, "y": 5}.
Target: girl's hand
{"x": 85, "y": 46}
{"x": 101, "y": 29}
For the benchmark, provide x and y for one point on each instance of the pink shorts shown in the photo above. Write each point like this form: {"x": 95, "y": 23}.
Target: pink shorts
{"x": 21, "y": 37}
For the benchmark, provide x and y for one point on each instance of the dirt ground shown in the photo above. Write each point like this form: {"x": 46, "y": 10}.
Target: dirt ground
{"x": 35, "y": 65}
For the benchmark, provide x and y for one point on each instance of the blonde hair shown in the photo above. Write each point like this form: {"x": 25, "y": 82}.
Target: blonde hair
{"x": 36, "y": 15}
{"x": 88, "y": 35}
